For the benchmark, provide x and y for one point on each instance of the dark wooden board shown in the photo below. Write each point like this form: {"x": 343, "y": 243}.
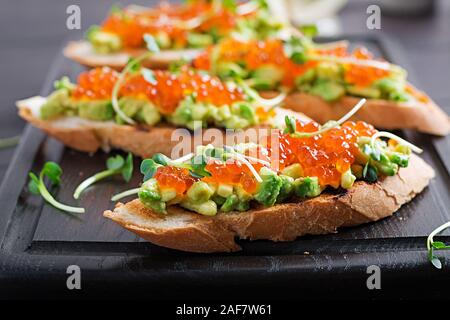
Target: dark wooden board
{"x": 38, "y": 242}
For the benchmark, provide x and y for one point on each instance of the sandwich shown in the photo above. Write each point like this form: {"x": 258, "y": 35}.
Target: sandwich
{"x": 305, "y": 180}
{"x": 180, "y": 30}
{"x": 324, "y": 81}
{"x": 145, "y": 111}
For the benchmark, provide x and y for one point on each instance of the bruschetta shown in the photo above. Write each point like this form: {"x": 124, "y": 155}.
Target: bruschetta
{"x": 325, "y": 81}
{"x": 142, "y": 113}
{"x": 314, "y": 180}
{"x": 180, "y": 31}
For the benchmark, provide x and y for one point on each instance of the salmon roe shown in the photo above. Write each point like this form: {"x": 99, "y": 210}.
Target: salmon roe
{"x": 363, "y": 76}
{"x": 327, "y": 155}
{"x": 132, "y": 25}
{"x": 170, "y": 89}
{"x": 95, "y": 84}
{"x": 254, "y": 54}
{"x": 174, "y": 178}
{"x": 166, "y": 93}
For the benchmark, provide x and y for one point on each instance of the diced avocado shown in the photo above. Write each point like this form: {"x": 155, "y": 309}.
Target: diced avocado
{"x": 269, "y": 74}
{"x": 200, "y": 111}
{"x": 224, "y": 190}
{"x": 399, "y": 158}
{"x": 168, "y": 194}
{"x": 163, "y": 40}
{"x": 329, "y": 71}
{"x": 307, "y": 187}
{"x": 327, "y": 90}
{"x": 219, "y": 200}
{"x": 199, "y": 192}
{"x": 287, "y": 188}
{"x": 230, "y": 70}
{"x": 230, "y": 203}
{"x": 347, "y": 179}
{"x": 96, "y": 110}
{"x": 389, "y": 169}
{"x": 130, "y": 107}
{"x": 149, "y": 114}
{"x": 366, "y": 92}
{"x": 308, "y": 77}
{"x": 294, "y": 170}
{"x": 207, "y": 208}
{"x": 236, "y": 122}
{"x": 103, "y": 42}
{"x": 150, "y": 196}
{"x": 244, "y": 110}
{"x": 198, "y": 40}
{"x": 269, "y": 188}
{"x": 56, "y": 105}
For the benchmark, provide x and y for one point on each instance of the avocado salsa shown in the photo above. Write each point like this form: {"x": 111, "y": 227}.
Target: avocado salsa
{"x": 301, "y": 165}
{"x": 329, "y": 71}
{"x": 194, "y": 24}
{"x": 184, "y": 98}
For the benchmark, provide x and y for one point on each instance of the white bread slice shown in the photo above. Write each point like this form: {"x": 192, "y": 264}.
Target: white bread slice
{"x": 83, "y": 53}
{"x": 427, "y": 118}
{"x": 144, "y": 141}
{"x": 187, "y": 231}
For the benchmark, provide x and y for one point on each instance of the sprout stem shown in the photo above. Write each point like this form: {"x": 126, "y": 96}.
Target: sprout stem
{"x": 125, "y": 194}
{"x": 47, "y": 196}
{"x": 91, "y": 180}
{"x": 9, "y": 142}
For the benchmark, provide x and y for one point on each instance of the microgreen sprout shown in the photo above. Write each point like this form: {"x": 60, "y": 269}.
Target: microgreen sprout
{"x": 53, "y": 172}
{"x": 436, "y": 245}
{"x": 125, "y": 194}
{"x": 290, "y": 125}
{"x": 115, "y": 165}
{"x": 396, "y": 138}
{"x": 268, "y": 103}
{"x": 132, "y": 65}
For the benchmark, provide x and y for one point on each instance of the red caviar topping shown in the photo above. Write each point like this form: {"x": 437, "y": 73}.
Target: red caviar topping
{"x": 174, "y": 178}
{"x": 166, "y": 93}
{"x": 131, "y": 26}
{"x": 363, "y": 75}
{"x": 95, "y": 84}
{"x": 325, "y": 155}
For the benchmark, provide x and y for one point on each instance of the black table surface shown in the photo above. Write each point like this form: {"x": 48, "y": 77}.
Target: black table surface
{"x": 32, "y": 33}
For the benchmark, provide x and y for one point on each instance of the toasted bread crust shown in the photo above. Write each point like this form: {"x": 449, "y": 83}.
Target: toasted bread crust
{"x": 143, "y": 141}
{"x": 363, "y": 203}
{"x": 427, "y": 118}
{"x": 83, "y": 53}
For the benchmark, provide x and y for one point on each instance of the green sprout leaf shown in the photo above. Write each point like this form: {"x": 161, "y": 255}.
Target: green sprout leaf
{"x": 198, "y": 167}
{"x": 436, "y": 262}
{"x": 33, "y": 185}
{"x": 52, "y": 171}
{"x": 148, "y": 168}
{"x": 151, "y": 43}
{"x": 161, "y": 159}
{"x": 36, "y": 185}
{"x": 436, "y": 245}
{"x": 309, "y": 30}
{"x": 291, "y": 126}
{"x": 149, "y": 76}
{"x": 115, "y": 165}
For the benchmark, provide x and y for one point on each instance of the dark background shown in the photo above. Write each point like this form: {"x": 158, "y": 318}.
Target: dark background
{"x": 33, "y": 31}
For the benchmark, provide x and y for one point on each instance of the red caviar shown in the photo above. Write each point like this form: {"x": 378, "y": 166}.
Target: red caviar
{"x": 131, "y": 25}
{"x": 327, "y": 155}
{"x": 95, "y": 84}
{"x": 254, "y": 54}
{"x": 166, "y": 93}
{"x": 363, "y": 76}
{"x": 174, "y": 178}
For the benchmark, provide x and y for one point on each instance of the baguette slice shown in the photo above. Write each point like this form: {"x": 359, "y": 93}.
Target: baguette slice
{"x": 364, "y": 202}
{"x": 83, "y": 53}
{"x": 427, "y": 118}
{"x": 144, "y": 141}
